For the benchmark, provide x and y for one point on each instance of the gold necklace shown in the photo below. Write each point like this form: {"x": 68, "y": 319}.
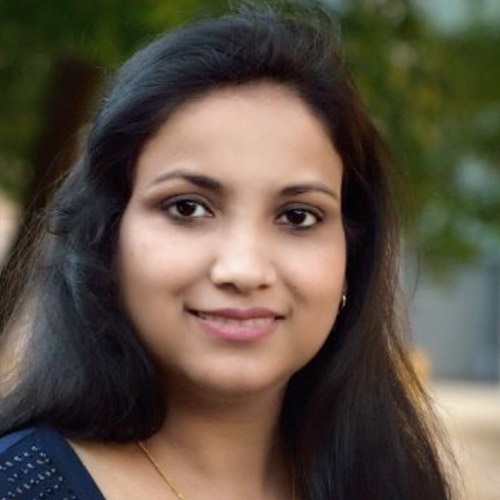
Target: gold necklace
{"x": 167, "y": 480}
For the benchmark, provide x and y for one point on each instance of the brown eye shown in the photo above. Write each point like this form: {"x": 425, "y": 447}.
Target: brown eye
{"x": 296, "y": 216}
{"x": 185, "y": 209}
{"x": 301, "y": 218}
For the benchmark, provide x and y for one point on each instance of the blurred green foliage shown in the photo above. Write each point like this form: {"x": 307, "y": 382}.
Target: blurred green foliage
{"x": 35, "y": 35}
{"x": 434, "y": 96}
{"x": 436, "y": 99}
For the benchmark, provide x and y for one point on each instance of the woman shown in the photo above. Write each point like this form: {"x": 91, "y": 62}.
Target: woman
{"x": 211, "y": 308}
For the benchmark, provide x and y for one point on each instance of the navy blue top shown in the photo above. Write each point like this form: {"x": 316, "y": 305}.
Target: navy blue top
{"x": 38, "y": 463}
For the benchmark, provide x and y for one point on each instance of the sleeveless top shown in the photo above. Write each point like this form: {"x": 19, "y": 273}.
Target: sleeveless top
{"x": 38, "y": 463}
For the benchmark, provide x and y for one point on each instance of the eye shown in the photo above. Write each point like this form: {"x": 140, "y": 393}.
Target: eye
{"x": 184, "y": 208}
{"x": 188, "y": 209}
{"x": 302, "y": 218}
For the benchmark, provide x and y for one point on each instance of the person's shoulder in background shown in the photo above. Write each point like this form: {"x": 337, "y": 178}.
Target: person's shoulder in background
{"x": 37, "y": 462}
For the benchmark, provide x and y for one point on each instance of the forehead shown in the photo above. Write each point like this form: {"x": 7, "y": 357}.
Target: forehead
{"x": 262, "y": 130}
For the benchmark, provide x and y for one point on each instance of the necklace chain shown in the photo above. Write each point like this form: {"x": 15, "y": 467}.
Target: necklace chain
{"x": 169, "y": 483}
{"x": 167, "y": 480}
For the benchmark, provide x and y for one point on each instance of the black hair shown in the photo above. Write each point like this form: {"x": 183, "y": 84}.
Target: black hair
{"x": 356, "y": 418}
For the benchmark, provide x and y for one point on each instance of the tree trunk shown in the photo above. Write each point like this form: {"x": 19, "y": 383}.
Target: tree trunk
{"x": 70, "y": 97}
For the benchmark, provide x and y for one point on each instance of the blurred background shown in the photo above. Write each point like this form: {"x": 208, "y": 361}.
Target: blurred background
{"x": 429, "y": 71}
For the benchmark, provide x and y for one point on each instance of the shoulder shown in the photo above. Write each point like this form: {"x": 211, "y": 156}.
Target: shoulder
{"x": 37, "y": 462}
{"x": 10, "y": 440}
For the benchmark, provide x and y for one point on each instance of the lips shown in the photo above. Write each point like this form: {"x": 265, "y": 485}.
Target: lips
{"x": 237, "y": 329}
{"x": 235, "y": 321}
{"x": 238, "y": 314}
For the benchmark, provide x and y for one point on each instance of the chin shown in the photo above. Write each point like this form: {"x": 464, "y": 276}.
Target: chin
{"x": 237, "y": 385}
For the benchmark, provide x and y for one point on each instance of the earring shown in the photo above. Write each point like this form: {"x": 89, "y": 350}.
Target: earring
{"x": 343, "y": 302}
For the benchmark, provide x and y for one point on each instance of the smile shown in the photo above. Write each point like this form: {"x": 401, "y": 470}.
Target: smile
{"x": 236, "y": 329}
{"x": 235, "y": 321}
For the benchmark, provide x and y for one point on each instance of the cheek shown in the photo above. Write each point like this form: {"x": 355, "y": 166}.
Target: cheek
{"x": 150, "y": 258}
{"x": 154, "y": 268}
{"x": 317, "y": 273}
{"x": 318, "y": 282}
{"x": 325, "y": 278}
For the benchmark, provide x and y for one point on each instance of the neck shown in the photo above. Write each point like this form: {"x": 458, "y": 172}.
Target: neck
{"x": 229, "y": 446}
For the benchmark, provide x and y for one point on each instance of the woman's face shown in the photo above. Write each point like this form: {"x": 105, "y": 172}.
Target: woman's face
{"x": 238, "y": 235}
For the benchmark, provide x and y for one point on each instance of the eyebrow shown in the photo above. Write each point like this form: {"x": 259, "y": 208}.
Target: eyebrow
{"x": 217, "y": 187}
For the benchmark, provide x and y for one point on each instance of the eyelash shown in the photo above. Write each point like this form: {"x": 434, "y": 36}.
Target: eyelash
{"x": 167, "y": 204}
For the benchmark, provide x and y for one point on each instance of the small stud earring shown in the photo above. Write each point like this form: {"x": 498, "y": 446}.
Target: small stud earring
{"x": 343, "y": 302}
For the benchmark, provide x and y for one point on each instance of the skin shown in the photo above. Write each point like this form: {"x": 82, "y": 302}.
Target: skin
{"x": 241, "y": 250}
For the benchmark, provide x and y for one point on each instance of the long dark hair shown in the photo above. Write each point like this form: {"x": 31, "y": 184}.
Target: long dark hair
{"x": 357, "y": 420}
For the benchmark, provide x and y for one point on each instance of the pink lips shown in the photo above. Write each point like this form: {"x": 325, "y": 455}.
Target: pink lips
{"x": 256, "y": 312}
{"x": 239, "y": 330}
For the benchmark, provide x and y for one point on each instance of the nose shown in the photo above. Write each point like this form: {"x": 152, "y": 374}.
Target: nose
{"x": 243, "y": 262}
